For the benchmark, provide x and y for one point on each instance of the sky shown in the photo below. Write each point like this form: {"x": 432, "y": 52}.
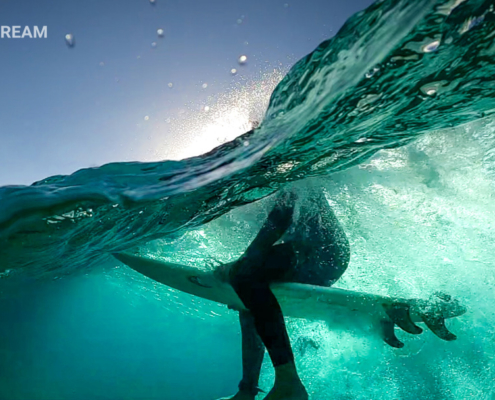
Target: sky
{"x": 108, "y": 98}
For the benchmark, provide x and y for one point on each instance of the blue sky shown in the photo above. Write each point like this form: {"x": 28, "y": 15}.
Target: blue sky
{"x": 65, "y": 108}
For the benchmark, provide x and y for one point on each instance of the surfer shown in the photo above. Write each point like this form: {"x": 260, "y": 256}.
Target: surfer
{"x": 301, "y": 241}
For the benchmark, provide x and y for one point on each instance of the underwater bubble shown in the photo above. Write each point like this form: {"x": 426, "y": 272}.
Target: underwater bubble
{"x": 153, "y": 44}
{"x": 233, "y": 71}
{"x": 246, "y": 143}
{"x": 372, "y": 72}
{"x": 431, "y": 47}
{"x": 170, "y": 85}
{"x": 206, "y": 108}
{"x": 239, "y": 21}
{"x": 146, "y": 118}
{"x": 204, "y": 85}
{"x": 242, "y": 60}
{"x": 470, "y": 23}
{"x": 153, "y": 2}
{"x": 69, "y": 40}
{"x": 160, "y": 32}
{"x": 102, "y": 64}
{"x": 286, "y": 5}
{"x": 434, "y": 88}
{"x": 5, "y": 273}
{"x": 475, "y": 21}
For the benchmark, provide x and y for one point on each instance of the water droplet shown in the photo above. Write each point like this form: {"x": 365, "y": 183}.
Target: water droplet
{"x": 286, "y": 5}
{"x": 153, "y": 44}
{"x": 69, "y": 40}
{"x": 233, "y": 71}
{"x": 102, "y": 64}
{"x": 146, "y": 118}
{"x": 153, "y": 2}
{"x": 246, "y": 43}
{"x": 160, "y": 32}
{"x": 239, "y": 21}
{"x": 242, "y": 60}
{"x": 431, "y": 47}
{"x": 170, "y": 85}
{"x": 204, "y": 85}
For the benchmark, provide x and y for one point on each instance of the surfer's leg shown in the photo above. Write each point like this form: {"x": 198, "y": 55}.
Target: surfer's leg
{"x": 254, "y": 290}
{"x": 262, "y": 264}
{"x": 270, "y": 325}
{"x": 253, "y": 351}
{"x": 268, "y": 319}
{"x": 252, "y": 358}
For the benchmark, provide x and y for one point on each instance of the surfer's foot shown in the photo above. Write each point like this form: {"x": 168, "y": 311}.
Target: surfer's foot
{"x": 240, "y": 395}
{"x": 287, "y": 386}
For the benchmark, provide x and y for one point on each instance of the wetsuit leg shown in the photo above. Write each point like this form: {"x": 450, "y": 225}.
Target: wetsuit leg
{"x": 262, "y": 264}
{"x": 253, "y": 352}
{"x": 253, "y": 289}
{"x": 269, "y": 321}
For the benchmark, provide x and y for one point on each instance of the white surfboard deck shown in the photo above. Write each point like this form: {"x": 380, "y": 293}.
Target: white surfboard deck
{"x": 296, "y": 300}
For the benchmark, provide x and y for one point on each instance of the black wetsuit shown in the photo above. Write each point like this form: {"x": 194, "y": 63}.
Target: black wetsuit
{"x": 301, "y": 241}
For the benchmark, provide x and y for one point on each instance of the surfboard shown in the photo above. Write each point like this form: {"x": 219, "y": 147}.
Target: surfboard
{"x": 299, "y": 300}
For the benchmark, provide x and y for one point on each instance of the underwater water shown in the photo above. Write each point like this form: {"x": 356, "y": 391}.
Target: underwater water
{"x": 392, "y": 117}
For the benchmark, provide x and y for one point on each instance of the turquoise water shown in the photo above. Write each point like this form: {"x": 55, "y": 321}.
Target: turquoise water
{"x": 392, "y": 117}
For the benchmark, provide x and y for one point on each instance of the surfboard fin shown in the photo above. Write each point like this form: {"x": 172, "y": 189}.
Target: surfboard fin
{"x": 437, "y": 326}
{"x": 399, "y": 314}
{"x": 388, "y": 334}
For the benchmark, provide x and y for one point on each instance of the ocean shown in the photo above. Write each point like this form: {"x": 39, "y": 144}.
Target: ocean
{"x": 392, "y": 117}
